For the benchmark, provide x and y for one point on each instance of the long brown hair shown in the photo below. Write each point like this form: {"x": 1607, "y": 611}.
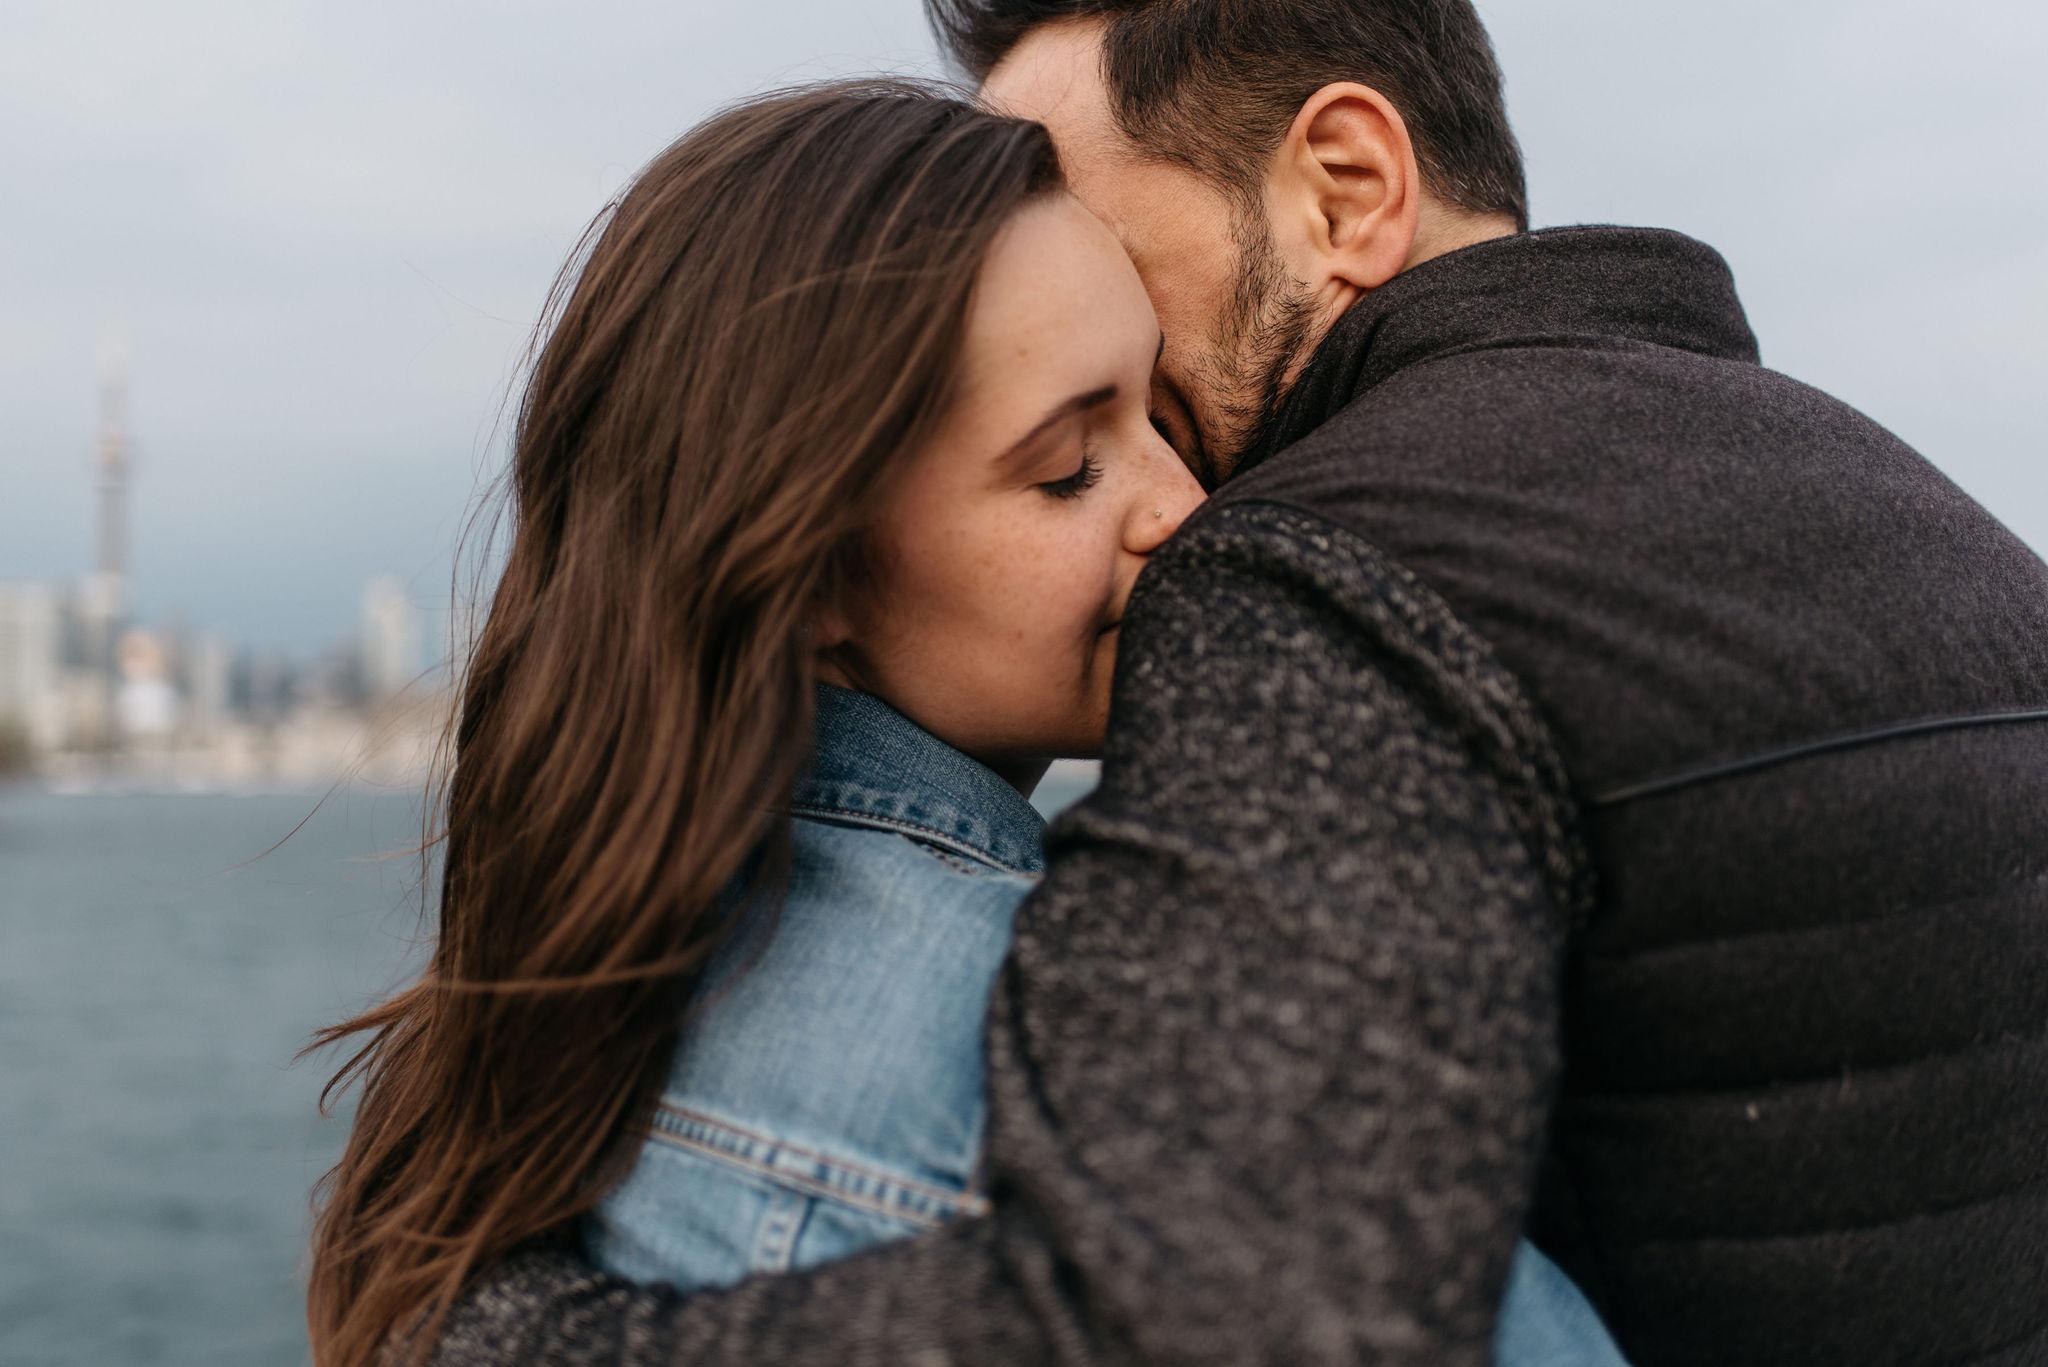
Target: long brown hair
{"x": 767, "y": 318}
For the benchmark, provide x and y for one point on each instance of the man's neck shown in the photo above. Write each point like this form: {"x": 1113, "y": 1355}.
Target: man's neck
{"x": 1441, "y": 229}
{"x": 1638, "y": 284}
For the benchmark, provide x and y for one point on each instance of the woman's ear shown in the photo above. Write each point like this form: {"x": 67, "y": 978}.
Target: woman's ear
{"x": 828, "y": 627}
{"x": 830, "y": 633}
{"x": 1346, "y": 193}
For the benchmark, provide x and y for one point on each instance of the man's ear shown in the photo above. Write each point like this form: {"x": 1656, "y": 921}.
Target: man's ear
{"x": 1346, "y": 193}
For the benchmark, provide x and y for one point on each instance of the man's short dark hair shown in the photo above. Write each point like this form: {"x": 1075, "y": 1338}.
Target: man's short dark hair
{"x": 1215, "y": 84}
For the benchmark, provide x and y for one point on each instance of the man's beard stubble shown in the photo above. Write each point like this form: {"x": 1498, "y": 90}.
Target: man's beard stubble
{"x": 1254, "y": 357}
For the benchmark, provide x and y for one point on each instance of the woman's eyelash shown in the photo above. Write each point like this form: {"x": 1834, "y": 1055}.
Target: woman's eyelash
{"x": 1078, "y": 483}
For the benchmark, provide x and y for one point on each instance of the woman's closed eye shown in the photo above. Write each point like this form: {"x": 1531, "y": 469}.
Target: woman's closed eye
{"x": 1080, "y": 482}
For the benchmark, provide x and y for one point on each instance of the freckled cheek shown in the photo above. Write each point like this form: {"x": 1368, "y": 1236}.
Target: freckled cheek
{"x": 1014, "y": 602}
{"x": 942, "y": 574}
{"x": 1075, "y": 585}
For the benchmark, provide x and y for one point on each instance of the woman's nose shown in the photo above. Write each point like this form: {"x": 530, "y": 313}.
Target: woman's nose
{"x": 1167, "y": 498}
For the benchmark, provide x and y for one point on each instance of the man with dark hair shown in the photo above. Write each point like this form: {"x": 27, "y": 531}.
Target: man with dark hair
{"x": 1172, "y": 145}
{"x": 1570, "y": 777}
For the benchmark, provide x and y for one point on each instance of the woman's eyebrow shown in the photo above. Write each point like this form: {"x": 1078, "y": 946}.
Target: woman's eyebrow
{"x": 1080, "y": 403}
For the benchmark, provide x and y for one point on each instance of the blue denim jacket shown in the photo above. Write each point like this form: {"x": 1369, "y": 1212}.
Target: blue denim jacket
{"x": 826, "y": 1092}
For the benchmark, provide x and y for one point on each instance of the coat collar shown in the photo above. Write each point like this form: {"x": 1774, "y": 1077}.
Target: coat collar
{"x": 1563, "y": 286}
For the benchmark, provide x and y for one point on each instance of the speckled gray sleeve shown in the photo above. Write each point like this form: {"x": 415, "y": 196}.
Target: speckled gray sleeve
{"x": 1272, "y": 1055}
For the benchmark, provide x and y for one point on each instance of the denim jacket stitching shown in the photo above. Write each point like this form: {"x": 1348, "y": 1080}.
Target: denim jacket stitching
{"x": 844, "y": 816}
{"x": 957, "y": 863}
{"x": 776, "y": 1239}
{"x": 813, "y": 1174}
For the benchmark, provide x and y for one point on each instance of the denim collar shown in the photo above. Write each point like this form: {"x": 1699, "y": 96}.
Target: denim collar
{"x": 875, "y": 767}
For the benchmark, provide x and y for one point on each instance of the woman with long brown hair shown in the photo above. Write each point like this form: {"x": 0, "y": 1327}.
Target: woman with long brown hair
{"x": 752, "y": 456}
{"x": 829, "y": 486}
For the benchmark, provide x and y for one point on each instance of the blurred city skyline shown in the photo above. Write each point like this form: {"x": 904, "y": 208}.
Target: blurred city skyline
{"x": 325, "y": 233}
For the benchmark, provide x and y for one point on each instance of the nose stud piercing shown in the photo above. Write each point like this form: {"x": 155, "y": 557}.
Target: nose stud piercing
{"x": 1159, "y": 512}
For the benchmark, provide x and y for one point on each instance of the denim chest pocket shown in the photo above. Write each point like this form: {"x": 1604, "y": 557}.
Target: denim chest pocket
{"x": 711, "y": 1203}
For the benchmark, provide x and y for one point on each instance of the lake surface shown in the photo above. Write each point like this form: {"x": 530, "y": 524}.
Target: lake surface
{"x": 157, "y": 1143}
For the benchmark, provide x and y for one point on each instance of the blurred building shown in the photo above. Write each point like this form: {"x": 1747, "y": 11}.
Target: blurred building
{"x": 391, "y": 639}
{"x": 146, "y": 705}
{"x": 91, "y": 697}
{"x": 31, "y": 671}
{"x": 209, "y": 686}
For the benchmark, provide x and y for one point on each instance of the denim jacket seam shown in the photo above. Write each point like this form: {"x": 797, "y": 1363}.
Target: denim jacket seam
{"x": 872, "y": 1190}
{"x": 900, "y": 826}
{"x": 959, "y": 862}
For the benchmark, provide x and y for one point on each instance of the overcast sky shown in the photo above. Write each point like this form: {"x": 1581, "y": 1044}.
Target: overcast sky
{"x": 325, "y": 230}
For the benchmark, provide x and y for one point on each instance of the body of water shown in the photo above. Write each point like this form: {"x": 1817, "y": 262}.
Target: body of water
{"x": 158, "y": 1144}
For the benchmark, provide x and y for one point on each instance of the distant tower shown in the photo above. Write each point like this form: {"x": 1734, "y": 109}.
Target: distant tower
{"x": 110, "y": 459}
{"x": 103, "y": 603}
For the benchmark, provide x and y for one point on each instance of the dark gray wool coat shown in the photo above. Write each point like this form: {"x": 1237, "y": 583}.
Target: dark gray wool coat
{"x": 1580, "y": 780}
